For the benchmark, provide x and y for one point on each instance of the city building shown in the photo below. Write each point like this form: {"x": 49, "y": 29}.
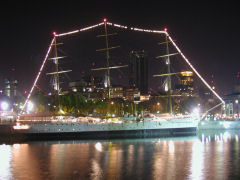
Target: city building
{"x": 138, "y": 71}
{"x": 117, "y": 92}
{"x": 186, "y": 83}
{"x": 88, "y": 86}
{"x": 130, "y": 94}
{"x": 10, "y": 88}
{"x": 231, "y": 107}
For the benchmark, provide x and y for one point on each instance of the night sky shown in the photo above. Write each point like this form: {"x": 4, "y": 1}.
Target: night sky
{"x": 207, "y": 33}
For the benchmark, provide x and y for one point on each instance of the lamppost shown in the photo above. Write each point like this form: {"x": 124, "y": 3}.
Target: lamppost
{"x": 236, "y": 102}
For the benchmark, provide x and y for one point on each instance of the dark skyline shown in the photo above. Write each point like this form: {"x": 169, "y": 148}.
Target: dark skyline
{"x": 207, "y": 33}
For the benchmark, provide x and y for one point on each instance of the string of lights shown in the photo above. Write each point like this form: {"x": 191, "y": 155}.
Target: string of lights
{"x": 39, "y": 73}
{"x": 122, "y": 27}
{"x": 80, "y": 30}
{"x": 180, "y": 52}
{"x": 110, "y": 24}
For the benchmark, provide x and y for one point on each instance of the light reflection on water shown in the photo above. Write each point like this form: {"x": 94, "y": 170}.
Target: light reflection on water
{"x": 5, "y": 159}
{"x": 206, "y": 156}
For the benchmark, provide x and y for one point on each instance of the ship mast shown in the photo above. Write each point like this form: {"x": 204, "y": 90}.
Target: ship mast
{"x": 169, "y": 81}
{"x": 57, "y": 72}
{"x": 169, "y": 74}
{"x": 107, "y": 57}
{"x": 106, "y": 35}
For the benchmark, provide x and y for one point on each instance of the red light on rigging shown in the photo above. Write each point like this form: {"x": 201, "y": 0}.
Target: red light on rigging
{"x": 54, "y": 33}
{"x": 105, "y": 20}
{"x": 165, "y": 29}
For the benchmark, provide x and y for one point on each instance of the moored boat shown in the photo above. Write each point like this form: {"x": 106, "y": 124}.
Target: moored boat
{"x": 94, "y": 127}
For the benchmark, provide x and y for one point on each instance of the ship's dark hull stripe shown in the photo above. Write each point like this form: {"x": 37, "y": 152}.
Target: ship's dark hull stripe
{"x": 144, "y": 133}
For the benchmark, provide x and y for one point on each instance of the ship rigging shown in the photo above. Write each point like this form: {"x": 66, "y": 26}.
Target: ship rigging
{"x": 105, "y": 23}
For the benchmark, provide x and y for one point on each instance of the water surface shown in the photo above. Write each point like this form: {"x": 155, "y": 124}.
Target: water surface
{"x": 209, "y": 155}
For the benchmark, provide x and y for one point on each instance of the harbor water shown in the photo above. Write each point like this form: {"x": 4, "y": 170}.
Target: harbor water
{"x": 208, "y": 155}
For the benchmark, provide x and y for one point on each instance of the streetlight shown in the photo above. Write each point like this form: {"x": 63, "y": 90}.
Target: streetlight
{"x": 4, "y": 106}
{"x": 236, "y": 102}
{"x": 29, "y": 106}
{"x": 196, "y": 112}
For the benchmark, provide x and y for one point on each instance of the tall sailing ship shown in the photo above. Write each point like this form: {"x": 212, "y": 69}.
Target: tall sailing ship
{"x": 63, "y": 126}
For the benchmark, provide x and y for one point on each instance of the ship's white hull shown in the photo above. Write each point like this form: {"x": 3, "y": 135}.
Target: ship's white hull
{"x": 116, "y": 129}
